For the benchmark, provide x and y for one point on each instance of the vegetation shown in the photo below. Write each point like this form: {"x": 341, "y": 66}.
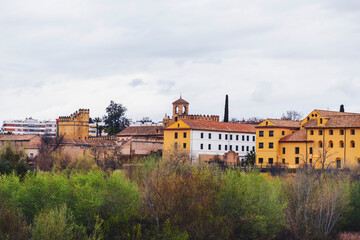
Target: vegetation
{"x": 115, "y": 119}
{"x": 170, "y": 198}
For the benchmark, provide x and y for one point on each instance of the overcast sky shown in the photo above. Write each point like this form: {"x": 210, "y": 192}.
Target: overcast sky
{"x": 268, "y": 55}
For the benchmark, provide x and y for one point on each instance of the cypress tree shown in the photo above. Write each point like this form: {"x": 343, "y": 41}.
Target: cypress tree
{"x": 226, "y": 115}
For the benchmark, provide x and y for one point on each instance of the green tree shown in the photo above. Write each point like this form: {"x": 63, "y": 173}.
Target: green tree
{"x": 115, "y": 119}
{"x": 250, "y": 158}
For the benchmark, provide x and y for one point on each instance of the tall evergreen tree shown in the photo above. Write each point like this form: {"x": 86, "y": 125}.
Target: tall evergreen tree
{"x": 226, "y": 115}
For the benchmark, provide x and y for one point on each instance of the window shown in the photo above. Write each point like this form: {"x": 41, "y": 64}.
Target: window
{"x": 261, "y": 145}
{"x": 237, "y": 137}
{"x": 178, "y": 125}
{"x": 220, "y": 136}
{"x": 230, "y": 137}
{"x": 297, "y": 160}
{"x": 320, "y": 132}
{"x": 331, "y": 132}
{"x": 283, "y": 150}
{"x": 310, "y": 150}
{"x": 297, "y": 150}
{"x": 225, "y": 147}
{"x": 311, "y": 132}
{"x": 267, "y": 123}
{"x": 219, "y": 146}
{"x": 184, "y": 135}
{"x": 253, "y": 138}
{"x": 261, "y": 133}
{"x": 209, "y": 135}
{"x": 247, "y": 148}
{"x": 253, "y": 148}
{"x": 176, "y": 135}
{"x": 243, "y": 137}
{"x": 352, "y": 144}
{"x": 236, "y": 148}
{"x": 352, "y": 131}
{"x": 226, "y": 136}
{"x": 321, "y": 120}
{"x": 247, "y": 138}
{"x": 308, "y": 118}
{"x": 271, "y": 133}
{"x": 338, "y": 163}
{"x": 283, "y": 133}
{"x": 341, "y": 131}
{"x": 184, "y": 145}
{"x": 176, "y": 145}
{"x": 242, "y": 148}
{"x": 310, "y": 160}
{"x": 283, "y": 161}
{"x": 201, "y": 135}
{"x": 271, "y": 145}
{"x": 341, "y": 144}
{"x": 320, "y": 144}
{"x": 201, "y": 146}
{"x": 261, "y": 160}
{"x": 271, "y": 160}
{"x": 230, "y": 147}
{"x": 209, "y": 146}
{"x": 331, "y": 144}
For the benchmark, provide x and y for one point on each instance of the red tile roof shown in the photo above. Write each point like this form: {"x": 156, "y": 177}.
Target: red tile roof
{"x": 283, "y": 123}
{"x": 142, "y": 131}
{"x": 298, "y": 136}
{"x": 340, "y": 121}
{"x": 325, "y": 113}
{"x": 180, "y": 101}
{"x": 219, "y": 126}
{"x": 32, "y": 141}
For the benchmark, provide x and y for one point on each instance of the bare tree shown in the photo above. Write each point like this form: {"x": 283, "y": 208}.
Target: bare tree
{"x": 292, "y": 115}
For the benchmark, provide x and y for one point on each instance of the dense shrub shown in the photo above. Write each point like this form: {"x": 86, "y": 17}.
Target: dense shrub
{"x": 12, "y": 223}
{"x": 12, "y": 160}
{"x": 317, "y": 202}
{"x": 250, "y": 206}
{"x": 57, "y": 223}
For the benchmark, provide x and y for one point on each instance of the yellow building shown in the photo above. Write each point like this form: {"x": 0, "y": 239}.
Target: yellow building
{"x": 75, "y": 126}
{"x": 322, "y": 139}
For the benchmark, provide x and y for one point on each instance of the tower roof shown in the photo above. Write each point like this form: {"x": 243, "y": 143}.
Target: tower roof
{"x": 180, "y": 101}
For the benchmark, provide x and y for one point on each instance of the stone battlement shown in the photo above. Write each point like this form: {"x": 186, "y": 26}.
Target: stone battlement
{"x": 213, "y": 118}
{"x": 75, "y": 116}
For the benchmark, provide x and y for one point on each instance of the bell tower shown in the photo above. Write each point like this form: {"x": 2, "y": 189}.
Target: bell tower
{"x": 180, "y": 107}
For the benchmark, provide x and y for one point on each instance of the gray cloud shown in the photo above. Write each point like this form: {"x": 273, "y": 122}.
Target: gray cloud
{"x": 55, "y": 55}
{"x": 136, "y": 82}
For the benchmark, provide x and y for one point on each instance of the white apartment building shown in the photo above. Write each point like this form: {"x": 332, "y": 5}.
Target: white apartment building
{"x": 30, "y": 126}
{"x": 92, "y": 129}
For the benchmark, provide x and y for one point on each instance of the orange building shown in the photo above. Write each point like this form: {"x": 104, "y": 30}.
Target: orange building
{"x": 75, "y": 126}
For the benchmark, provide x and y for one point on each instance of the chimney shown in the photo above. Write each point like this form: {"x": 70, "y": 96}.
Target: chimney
{"x": 226, "y": 114}
{"x": 342, "y": 109}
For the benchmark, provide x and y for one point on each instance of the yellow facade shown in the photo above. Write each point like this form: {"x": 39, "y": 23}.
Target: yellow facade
{"x": 75, "y": 126}
{"x": 324, "y": 139}
{"x": 268, "y": 149}
{"x": 177, "y": 136}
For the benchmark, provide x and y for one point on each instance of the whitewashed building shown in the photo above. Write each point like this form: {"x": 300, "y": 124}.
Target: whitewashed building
{"x": 30, "y": 126}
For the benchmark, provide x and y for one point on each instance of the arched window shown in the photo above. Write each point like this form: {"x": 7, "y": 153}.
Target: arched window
{"x": 320, "y": 144}
{"x": 184, "y": 109}
{"x": 331, "y": 144}
{"x": 177, "y": 109}
{"x": 352, "y": 144}
{"x": 341, "y": 144}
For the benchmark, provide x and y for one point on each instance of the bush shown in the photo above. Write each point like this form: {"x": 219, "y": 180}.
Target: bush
{"x": 316, "y": 203}
{"x": 57, "y": 223}
{"x": 12, "y": 223}
{"x": 12, "y": 160}
{"x": 250, "y": 205}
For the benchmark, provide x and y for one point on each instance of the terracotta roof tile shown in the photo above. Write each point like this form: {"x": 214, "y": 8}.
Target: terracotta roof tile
{"x": 6, "y": 137}
{"x": 325, "y": 113}
{"x": 180, "y": 101}
{"x": 142, "y": 131}
{"x": 219, "y": 126}
{"x": 298, "y": 136}
{"x": 88, "y": 142}
{"x": 285, "y": 123}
